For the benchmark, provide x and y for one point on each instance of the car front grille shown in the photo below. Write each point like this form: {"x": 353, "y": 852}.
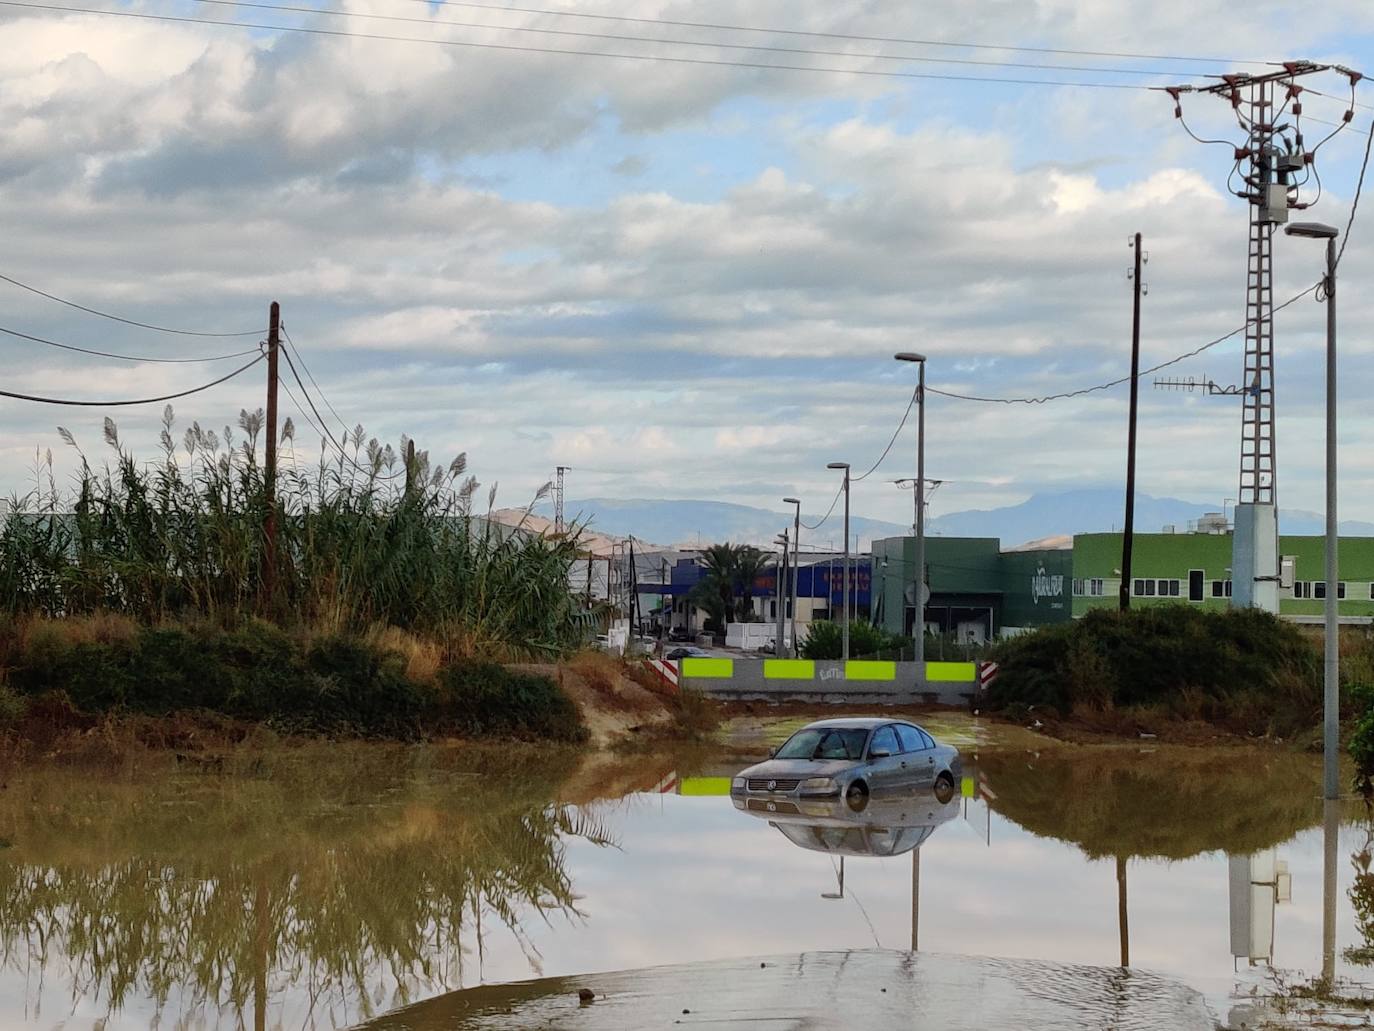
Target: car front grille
{"x": 758, "y": 805}
{"x": 773, "y": 785}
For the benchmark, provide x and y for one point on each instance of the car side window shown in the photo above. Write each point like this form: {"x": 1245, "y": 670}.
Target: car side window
{"x": 930, "y": 741}
{"x": 910, "y": 738}
{"x": 884, "y": 741}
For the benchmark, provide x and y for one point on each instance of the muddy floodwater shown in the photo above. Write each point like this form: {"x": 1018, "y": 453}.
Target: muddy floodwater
{"x": 336, "y": 886}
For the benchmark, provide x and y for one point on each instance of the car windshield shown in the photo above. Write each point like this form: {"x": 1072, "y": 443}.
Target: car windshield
{"x": 824, "y": 743}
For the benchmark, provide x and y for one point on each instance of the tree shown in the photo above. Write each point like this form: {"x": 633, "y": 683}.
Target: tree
{"x": 725, "y": 592}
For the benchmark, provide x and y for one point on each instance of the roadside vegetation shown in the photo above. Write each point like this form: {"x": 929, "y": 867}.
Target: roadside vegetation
{"x": 382, "y": 608}
{"x": 1241, "y": 670}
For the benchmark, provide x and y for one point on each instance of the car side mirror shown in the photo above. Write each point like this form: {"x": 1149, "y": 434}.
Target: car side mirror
{"x": 880, "y": 753}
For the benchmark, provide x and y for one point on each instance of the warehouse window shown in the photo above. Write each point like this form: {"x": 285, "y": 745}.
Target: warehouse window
{"x": 1078, "y": 588}
{"x": 1302, "y": 589}
{"x": 1139, "y": 590}
{"x": 1340, "y": 590}
{"x": 1168, "y": 588}
{"x": 1218, "y": 589}
{"x": 1196, "y": 579}
{"x": 1319, "y": 588}
{"x": 1095, "y": 588}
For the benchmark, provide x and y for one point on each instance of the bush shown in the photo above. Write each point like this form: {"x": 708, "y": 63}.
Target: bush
{"x": 1240, "y": 667}
{"x": 334, "y": 685}
{"x": 482, "y": 698}
{"x": 825, "y": 640}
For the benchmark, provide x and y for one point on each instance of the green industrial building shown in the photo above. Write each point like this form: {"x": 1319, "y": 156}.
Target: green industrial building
{"x": 977, "y": 590}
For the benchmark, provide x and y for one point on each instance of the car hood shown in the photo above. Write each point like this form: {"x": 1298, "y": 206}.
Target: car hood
{"x": 798, "y": 768}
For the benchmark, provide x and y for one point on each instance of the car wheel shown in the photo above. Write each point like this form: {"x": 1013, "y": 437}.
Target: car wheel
{"x": 944, "y": 788}
{"x": 856, "y": 797}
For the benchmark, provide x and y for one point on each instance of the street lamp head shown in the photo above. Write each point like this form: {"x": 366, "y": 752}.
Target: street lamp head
{"x": 791, "y": 501}
{"x": 909, "y": 356}
{"x": 1312, "y": 230}
{"x": 837, "y": 465}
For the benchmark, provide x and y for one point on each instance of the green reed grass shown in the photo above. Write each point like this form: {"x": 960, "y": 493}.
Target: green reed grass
{"x": 376, "y": 537}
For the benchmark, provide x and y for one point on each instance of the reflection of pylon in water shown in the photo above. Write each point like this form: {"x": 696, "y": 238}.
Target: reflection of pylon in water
{"x": 1276, "y": 166}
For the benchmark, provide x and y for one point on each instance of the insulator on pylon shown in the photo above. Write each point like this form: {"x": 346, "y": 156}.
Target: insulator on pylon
{"x": 1297, "y": 108}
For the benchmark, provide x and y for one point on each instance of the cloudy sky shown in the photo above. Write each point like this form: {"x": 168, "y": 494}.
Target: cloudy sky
{"x": 680, "y": 279}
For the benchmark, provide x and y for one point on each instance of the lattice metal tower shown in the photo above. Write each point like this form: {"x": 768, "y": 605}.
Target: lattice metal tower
{"x": 558, "y": 500}
{"x": 1273, "y": 166}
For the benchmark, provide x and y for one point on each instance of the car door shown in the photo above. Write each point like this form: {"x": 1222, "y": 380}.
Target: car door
{"x": 884, "y": 761}
{"x": 918, "y": 758}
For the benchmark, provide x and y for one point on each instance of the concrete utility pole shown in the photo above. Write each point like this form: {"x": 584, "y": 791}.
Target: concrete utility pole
{"x": 918, "y": 634}
{"x": 796, "y": 568}
{"x": 844, "y": 646}
{"x": 270, "y": 464}
{"x": 780, "y": 593}
{"x": 1332, "y": 674}
{"x": 1128, "y": 536}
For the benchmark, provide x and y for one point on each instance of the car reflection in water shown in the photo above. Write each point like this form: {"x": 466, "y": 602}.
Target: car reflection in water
{"x": 888, "y": 826}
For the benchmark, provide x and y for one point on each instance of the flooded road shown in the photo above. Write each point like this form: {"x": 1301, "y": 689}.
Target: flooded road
{"x": 330, "y": 886}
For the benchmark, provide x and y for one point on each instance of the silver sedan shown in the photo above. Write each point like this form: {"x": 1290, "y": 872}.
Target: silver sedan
{"x": 853, "y": 759}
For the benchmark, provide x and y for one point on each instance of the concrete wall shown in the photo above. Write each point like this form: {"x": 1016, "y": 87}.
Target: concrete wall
{"x": 943, "y": 683}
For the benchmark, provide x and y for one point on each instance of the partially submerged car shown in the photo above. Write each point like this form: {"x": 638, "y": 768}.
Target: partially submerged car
{"x": 853, "y": 759}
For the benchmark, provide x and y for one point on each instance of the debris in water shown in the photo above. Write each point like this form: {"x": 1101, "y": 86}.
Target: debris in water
{"x": 586, "y": 995}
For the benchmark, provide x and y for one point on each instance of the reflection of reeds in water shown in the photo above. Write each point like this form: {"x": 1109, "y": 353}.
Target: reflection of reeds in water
{"x": 215, "y": 896}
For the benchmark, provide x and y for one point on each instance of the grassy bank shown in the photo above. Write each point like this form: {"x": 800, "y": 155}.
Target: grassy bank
{"x": 1241, "y": 670}
{"x": 60, "y": 674}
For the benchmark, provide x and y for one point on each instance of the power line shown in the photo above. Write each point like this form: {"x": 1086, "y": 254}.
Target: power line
{"x": 126, "y": 357}
{"x": 708, "y": 44}
{"x": 833, "y": 502}
{"x": 896, "y": 433}
{"x": 318, "y": 389}
{"x": 702, "y": 61}
{"x": 120, "y": 318}
{"x": 343, "y": 453}
{"x": 852, "y": 37}
{"x": 1124, "y": 379}
{"x": 1359, "y": 188}
{"x": 138, "y": 401}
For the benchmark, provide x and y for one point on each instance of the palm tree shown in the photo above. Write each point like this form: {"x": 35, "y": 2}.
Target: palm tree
{"x": 731, "y": 569}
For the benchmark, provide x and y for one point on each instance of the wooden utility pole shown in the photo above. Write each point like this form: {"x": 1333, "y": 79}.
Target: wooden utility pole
{"x": 270, "y": 472}
{"x": 1128, "y": 537}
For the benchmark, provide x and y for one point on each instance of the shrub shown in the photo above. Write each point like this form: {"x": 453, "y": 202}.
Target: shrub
{"x": 338, "y": 684}
{"x": 825, "y": 640}
{"x": 1241, "y": 667}
{"x": 482, "y": 698}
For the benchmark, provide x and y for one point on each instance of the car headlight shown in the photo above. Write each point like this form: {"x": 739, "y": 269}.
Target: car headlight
{"x": 738, "y": 782}
{"x": 817, "y": 784}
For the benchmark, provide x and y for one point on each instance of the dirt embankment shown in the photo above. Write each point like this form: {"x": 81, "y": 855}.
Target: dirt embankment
{"x": 615, "y": 702}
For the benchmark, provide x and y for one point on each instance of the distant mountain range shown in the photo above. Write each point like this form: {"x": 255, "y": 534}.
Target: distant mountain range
{"x": 690, "y": 523}
{"x": 1092, "y": 510}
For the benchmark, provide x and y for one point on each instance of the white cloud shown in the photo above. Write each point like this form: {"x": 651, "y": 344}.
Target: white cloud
{"x": 720, "y": 319}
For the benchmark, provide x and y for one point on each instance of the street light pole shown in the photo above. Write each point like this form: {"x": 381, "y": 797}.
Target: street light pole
{"x": 1331, "y": 684}
{"x": 796, "y": 567}
{"x": 918, "y": 634}
{"x": 844, "y": 633}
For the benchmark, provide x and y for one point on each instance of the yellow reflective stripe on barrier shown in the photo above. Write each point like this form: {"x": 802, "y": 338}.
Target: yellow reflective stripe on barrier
{"x": 714, "y": 669}
{"x": 856, "y": 670}
{"x": 704, "y": 786}
{"x": 952, "y": 672}
{"x": 789, "y": 669}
